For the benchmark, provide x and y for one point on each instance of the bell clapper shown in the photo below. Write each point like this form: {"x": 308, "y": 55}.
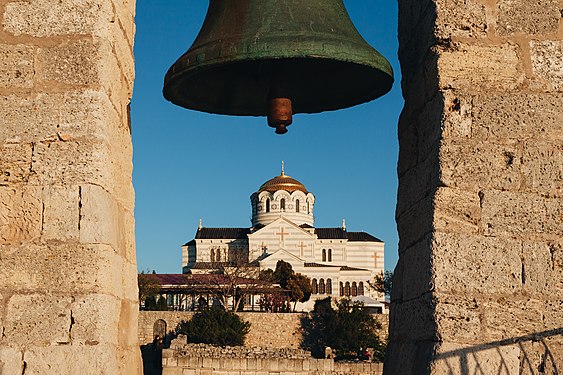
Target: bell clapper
{"x": 280, "y": 113}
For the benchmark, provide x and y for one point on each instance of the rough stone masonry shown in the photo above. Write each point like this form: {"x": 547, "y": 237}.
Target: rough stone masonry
{"x": 479, "y": 283}
{"x": 67, "y": 251}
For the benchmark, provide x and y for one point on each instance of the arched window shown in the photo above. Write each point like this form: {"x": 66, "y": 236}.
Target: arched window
{"x": 315, "y": 287}
{"x": 218, "y": 255}
{"x": 341, "y": 289}
{"x": 282, "y": 204}
{"x": 328, "y": 286}
{"x": 268, "y": 205}
{"x": 322, "y": 286}
{"x": 330, "y": 255}
{"x": 354, "y": 289}
{"x": 212, "y": 256}
{"x": 361, "y": 288}
{"x": 308, "y": 208}
{"x": 297, "y": 205}
{"x": 347, "y": 289}
{"x": 324, "y": 255}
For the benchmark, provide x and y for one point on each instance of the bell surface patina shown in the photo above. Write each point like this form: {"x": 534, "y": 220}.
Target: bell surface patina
{"x": 275, "y": 58}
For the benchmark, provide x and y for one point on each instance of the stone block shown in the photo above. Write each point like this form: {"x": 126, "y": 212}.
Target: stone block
{"x": 456, "y": 211}
{"x": 11, "y": 361}
{"x": 406, "y": 358}
{"x": 72, "y": 359}
{"x": 457, "y": 359}
{"x": 54, "y": 17}
{"x": 38, "y": 318}
{"x": 460, "y": 18}
{"x": 15, "y": 163}
{"x": 129, "y": 286}
{"x": 418, "y": 280}
{"x": 418, "y": 184}
{"x": 547, "y": 62}
{"x": 521, "y": 214}
{"x": 458, "y": 318}
{"x": 128, "y": 322}
{"x": 517, "y": 116}
{"x": 473, "y": 165}
{"x": 96, "y": 319}
{"x": 479, "y": 67}
{"x": 476, "y": 264}
{"x": 540, "y": 274}
{"x": 413, "y": 320}
{"x": 48, "y": 319}
{"x": 72, "y": 162}
{"x": 527, "y": 17}
{"x": 20, "y": 214}
{"x": 415, "y": 223}
{"x": 16, "y": 66}
{"x": 98, "y": 216}
{"x": 55, "y": 266}
{"x": 509, "y": 317}
{"x": 72, "y": 63}
{"x": 542, "y": 167}
{"x": 61, "y": 213}
{"x": 51, "y": 116}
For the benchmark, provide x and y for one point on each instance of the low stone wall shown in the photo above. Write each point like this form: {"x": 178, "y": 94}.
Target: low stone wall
{"x": 190, "y": 359}
{"x": 267, "y": 329}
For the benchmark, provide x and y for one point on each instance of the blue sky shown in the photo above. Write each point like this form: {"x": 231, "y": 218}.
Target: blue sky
{"x": 189, "y": 165}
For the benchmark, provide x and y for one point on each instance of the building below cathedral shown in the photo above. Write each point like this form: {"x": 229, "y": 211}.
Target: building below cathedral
{"x": 339, "y": 262}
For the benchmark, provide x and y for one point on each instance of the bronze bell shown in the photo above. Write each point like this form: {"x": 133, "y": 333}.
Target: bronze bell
{"x": 275, "y": 58}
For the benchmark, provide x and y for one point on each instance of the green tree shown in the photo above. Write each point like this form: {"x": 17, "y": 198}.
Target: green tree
{"x": 346, "y": 329}
{"x": 161, "y": 304}
{"x": 215, "y": 326}
{"x": 149, "y": 286}
{"x": 150, "y": 303}
{"x": 283, "y": 273}
{"x": 300, "y": 288}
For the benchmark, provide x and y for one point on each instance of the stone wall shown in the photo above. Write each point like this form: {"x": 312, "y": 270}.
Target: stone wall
{"x": 193, "y": 359}
{"x": 479, "y": 282}
{"x": 67, "y": 248}
{"x": 267, "y": 329}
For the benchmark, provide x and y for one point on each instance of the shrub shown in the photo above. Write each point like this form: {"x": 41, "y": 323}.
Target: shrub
{"x": 346, "y": 329}
{"x": 215, "y": 326}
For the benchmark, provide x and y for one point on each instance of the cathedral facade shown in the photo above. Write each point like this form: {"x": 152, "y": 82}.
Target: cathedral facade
{"x": 339, "y": 262}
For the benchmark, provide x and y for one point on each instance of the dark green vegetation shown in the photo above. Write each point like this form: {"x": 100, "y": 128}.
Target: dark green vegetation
{"x": 345, "y": 329}
{"x": 298, "y": 286}
{"x": 215, "y": 326}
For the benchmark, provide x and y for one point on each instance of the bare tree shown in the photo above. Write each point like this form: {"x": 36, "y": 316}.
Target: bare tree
{"x": 234, "y": 278}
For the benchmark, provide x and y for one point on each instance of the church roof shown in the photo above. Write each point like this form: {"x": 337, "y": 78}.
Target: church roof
{"x": 222, "y": 233}
{"x": 339, "y": 233}
{"x": 242, "y": 233}
{"x": 283, "y": 182}
{"x": 342, "y": 268}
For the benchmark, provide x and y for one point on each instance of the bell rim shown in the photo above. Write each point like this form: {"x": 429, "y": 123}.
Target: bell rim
{"x": 170, "y": 90}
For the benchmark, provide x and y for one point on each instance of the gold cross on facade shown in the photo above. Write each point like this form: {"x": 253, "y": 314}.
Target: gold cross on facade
{"x": 375, "y": 259}
{"x": 282, "y": 234}
{"x": 301, "y": 246}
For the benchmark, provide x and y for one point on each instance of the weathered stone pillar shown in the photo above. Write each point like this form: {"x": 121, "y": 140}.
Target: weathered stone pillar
{"x": 479, "y": 283}
{"x": 67, "y": 252}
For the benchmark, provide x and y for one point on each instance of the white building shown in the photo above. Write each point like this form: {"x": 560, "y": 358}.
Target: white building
{"x": 339, "y": 262}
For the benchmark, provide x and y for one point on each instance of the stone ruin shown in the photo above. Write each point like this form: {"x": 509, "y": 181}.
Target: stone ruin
{"x": 479, "y": 281}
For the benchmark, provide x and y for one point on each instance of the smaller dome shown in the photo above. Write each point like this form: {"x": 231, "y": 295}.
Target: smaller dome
{"x": 283, "y": 182}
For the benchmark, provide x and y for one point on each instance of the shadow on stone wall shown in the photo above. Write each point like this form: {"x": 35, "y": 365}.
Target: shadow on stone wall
{"x": 533, "y": 353}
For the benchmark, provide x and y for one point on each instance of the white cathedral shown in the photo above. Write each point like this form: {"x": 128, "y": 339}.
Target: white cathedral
{"x": 338, "y": 262}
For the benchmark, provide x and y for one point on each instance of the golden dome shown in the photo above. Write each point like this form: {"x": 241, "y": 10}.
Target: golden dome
{"x": 283, "y": 182}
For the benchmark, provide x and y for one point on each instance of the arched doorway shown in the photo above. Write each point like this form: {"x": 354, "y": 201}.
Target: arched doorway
{"x": 159, "y": 329}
